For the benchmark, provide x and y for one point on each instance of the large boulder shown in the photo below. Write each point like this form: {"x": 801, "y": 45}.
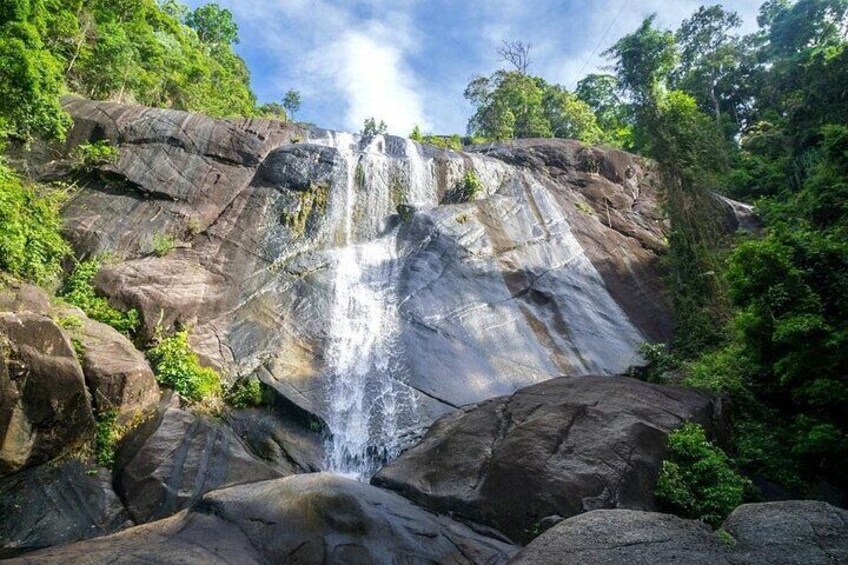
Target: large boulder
{"x": 626, "y": 537}
{"x": 555, "y": 449}
{"x": 58, "y": 503}
{"x": 173, "y": 459}
{"x": 116, "y": 373}
{"x": 45, "y": 409}
{"x": 794, "y": 531}
{"x": 303, "y": 519}
{"x": 775, "y": 533}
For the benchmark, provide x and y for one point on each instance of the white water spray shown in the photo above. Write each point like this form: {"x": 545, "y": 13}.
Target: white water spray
{"x": 365, "y": 396}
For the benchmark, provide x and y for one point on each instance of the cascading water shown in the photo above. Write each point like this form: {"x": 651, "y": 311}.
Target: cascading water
{"x": 366, "y": 396}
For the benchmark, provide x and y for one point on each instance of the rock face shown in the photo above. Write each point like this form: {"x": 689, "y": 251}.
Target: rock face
{"x": 55, "y": 504}
{"x": 176, "y": 458}
{"x": 553, "y": 269}
{"x": 792, "y": 531}
{"x": 45, "y": 409}
{"x": 306, "y": 519}
{"x": 629, "y": 537}
{"x": 116, "y": 373}
{"x": 775, "y": 533}
{"x": 559, "y": 448}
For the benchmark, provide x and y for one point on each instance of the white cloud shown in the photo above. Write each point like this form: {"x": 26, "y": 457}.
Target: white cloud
{"x": 369, "y": 69}
{"x": 407, "y": 61}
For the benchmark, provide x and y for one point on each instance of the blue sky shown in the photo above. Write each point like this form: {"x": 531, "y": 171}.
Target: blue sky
{"x": 408, "y": 61}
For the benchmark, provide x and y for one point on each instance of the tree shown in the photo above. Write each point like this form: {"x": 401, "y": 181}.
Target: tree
{"x": 175, "y": 9}
{"x": 643, "y": 61}
{"x": 794, "y": 27}
{"x": 30, "y": 78}
{"x": 516, "y": 53}
{"x": 509, "y": 105}
{"x": 371, "y": 128}
{"x": 569, "y": 117}
{"x": 709, "y": 51}
{"x": 291, "y": 102}
{"x": 214, "y": 25}
{"x": 416, "y": 134}
{"x": 600, "y": 92}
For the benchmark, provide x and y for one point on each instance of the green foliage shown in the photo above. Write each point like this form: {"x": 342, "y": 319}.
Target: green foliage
{"x": 79, "y": 291}
{"x": 468, "y": 189}
{"x": 30, "y": 76}
{"x": 106, "y": 437}
{"x": 136, "y": 50}
{"x": 273, "y": 111}
{"x": 92, "y": 155}
{"x": 452, "y": 142}
{"x": 660, "y": 362}
{"x": 213, "y": 24}
{"x": 416, "y": 134}
{"x": 69, "y": 322}
{"x": 245, "y": 393}
{"x": 600, "y": 92}
{"x": 291, "y": 102}
{"x": 31, "y": 244}
{"x": 697, "y": 479}
{"x": 177, "y": 367}
{"x": 643, "y": 61}
{"x": 163, "y": 244}
{"x": 371, "y": 128}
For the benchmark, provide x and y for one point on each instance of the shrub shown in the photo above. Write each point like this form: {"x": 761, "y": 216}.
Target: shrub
{"x": 660, "y": 363}
{"x": 31, "y": 244}
{"x": 697, "y": 480}
{"x": 178, "y": 367}
{"x": 106, "y": 436}
{"x": 469, "y": 187}
{"x": 92, "y": 155}
{"x": 79, "y": 291}
{"x": 163, "y": 244}
{"x": 245, "y": 393}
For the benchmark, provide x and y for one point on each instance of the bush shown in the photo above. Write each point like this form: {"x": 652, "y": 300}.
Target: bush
{"x": 469, "y": 187}
{"x": 31, "y": 244}
{"x": 163, "y": 244}
{"x": 79, "y": 291}
{"x": 106, "y": 436}
{"x": 178, "y": 367}
{"x": 697, "y": 480}
{"x": 92, "y": 155}
{"x": 245, "y": 393}
{"x": 660, "y": 362}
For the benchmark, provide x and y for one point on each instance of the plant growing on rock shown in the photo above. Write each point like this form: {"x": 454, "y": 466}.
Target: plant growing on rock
{"x": 469, "y": 187}
{"x": 79, "y": 291}
{"x": 163, "y": 244}
{"x": 371, "y": 128}
{"x": 697, "y": 480}
{"x": 92, "y": 155}
{"x": 106, "y": 437}
{"x": 31, "y": 244}
{"x": 245, "y": 393}
{"x": 177, "y": 367}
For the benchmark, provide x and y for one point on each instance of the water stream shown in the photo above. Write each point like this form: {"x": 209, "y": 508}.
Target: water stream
{"x": 366, "y": 396}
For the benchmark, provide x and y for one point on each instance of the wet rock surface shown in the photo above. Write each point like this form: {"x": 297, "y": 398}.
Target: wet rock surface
{"x": 315, "y": 518}
{"x": 553, "y": 269}
{"x": 559, "y": 448}
{"x": 775, "y": 533}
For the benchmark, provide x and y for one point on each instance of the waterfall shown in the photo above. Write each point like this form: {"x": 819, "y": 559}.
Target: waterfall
{"x": 365, "y": 395}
